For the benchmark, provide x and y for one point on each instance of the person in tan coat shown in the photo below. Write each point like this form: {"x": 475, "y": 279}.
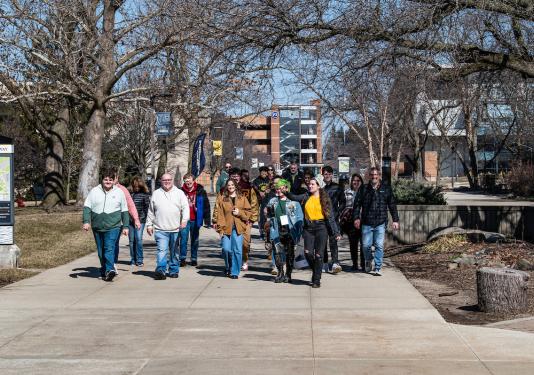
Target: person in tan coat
{"x": 230, "y": 217}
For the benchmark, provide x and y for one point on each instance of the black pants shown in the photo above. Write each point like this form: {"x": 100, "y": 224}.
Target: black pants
{"x": 332, "y": 243}
{"x": 284, "y": 253}
{"x": 315, "y": 237}
{"x": 355, "y": 241}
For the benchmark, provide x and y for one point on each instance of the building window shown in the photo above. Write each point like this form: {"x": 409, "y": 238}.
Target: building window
{"x": 308, "y": 159}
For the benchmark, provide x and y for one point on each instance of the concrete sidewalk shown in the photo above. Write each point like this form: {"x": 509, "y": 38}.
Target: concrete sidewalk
{"x": 67, "y": 321}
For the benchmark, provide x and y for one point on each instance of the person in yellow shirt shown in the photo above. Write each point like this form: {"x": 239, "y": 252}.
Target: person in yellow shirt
{"x": 319, "y": 221}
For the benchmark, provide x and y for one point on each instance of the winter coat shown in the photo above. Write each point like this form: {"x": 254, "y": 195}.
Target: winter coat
{"x": 202, "y": 205}
{"x": 225, "y": 220}
{"x": 295, "y": 218}
{"x": 372, "y": 205}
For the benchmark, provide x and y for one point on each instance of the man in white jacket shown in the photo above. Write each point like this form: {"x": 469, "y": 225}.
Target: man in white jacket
{"x": 167, "y": 214}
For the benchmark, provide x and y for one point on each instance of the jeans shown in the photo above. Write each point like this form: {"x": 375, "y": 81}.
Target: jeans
{"x": 166, "y": 243}
{"x": 315, "y": 236}
{"x": 191, "y": 230}
{"x": 105, "y": 245}
{"x": 233, "y": 248}
{"x": 135, "y": 237}
{"x": 374, "y": 236}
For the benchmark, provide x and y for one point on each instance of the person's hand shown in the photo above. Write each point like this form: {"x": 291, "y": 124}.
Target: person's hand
{"x": 338, "y": 237}
{"x": 138, "y": 225}
{"x": 357, "y": 223}
{"x": 183, "y": 225}
{"x": 396, "y": 225}
{"x": 262, "y": 194}
{"x": 150, "y": 231}
{"x": 235, "y": 211}
{"x": 86, "y": 227}
{"x": 125, "y": 232}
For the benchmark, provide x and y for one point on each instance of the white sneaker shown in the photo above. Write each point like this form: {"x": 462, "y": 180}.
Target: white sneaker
{"x": 116, "y": 270}
{"x": 377, "y": 272}
{"x": 336, "y": 268}
{"x": 244, "y": 267}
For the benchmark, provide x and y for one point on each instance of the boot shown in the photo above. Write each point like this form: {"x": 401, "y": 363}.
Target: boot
{"x": 280, "y": 277}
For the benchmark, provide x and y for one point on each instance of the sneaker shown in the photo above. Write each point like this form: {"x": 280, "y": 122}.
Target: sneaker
{"x": 160, "y": 275}
{"x": 194, "y": 263}
{"x": 377, "y": 272}
{"x": 367, "y": 266}
{"x": 173, "y": 275}
{"x": 316, "y": 285}
{"x": 183, "y": 263}
{"x": 234, "y": 277}
{"x": 116, "y": 270}
{"x": 336, "y": 268}
{"x": 110, "y": 275}
{"x": 326, "y": 267}
{"x": 274, "y": 271}
{"x": 244, "y": 267}
{"x": 140, "y": 265}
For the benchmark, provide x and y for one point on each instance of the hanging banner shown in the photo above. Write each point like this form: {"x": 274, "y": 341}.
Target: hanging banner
{"x": 217, "y": 148}
{"x": 163, "y": 124}
{"x": 198, "y": 159}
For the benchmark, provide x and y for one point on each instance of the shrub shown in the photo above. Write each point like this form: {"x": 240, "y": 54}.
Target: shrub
{"x": 520, "y": 178}
{"x": 413, "y": 192}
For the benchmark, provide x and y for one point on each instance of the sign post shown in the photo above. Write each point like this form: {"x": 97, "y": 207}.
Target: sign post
{"x": 9, "y": 252}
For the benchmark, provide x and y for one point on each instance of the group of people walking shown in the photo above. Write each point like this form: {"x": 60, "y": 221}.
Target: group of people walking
{"x": 296, "y": 205}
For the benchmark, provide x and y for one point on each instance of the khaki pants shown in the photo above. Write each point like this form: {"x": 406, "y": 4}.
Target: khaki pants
{"x": 246, "y": 243}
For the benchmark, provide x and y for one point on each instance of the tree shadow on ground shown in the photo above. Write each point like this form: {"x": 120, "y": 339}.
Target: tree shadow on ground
{"x": 92, "y": 272}
{"x": 472, "y": 308}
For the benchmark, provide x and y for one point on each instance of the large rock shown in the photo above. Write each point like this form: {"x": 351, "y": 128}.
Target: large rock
{"x": 9, "y": 256}
{"x": 474, "y": 235}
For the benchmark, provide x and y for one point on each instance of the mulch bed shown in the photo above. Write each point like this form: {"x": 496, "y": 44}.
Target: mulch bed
{"x": 453, "y": 291}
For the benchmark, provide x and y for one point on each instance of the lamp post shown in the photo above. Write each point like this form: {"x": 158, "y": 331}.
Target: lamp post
{"x": 153, "y": 139}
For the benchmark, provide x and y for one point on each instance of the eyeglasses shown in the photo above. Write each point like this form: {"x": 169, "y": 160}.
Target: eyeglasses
{"x": 166, "y": 180}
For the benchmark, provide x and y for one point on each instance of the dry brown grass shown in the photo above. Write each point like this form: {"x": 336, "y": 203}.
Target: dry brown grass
{"x": 47, "y": 240}
{"x": 446, "y": 244}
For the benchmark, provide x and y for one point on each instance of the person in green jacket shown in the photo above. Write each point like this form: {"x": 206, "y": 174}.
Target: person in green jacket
{"x": 223, "y": 177}
{"x": 105, "y": 211}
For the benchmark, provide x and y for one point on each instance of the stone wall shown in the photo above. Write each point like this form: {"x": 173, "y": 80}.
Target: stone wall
{"x": 419, "y": 222}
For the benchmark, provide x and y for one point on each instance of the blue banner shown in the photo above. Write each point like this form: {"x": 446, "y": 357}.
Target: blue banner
{"x": 198, "y": 160}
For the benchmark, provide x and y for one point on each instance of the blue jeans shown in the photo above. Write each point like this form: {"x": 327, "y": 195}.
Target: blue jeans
{"x": 233, "y": 251}
{"x": 135, "y": 237}
{"x": 374, "y": 236}
{"x": 191, "y": 230}
{"x": 166, "y": 243}
{"x": 105, "y": 245}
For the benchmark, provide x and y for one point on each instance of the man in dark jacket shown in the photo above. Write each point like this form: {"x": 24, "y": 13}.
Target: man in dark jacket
{"x": 371, "y": 213}
{"x": 295, "y": 178}
{"x": 199, "y": 213}
{"x": 261, "y": 186}
{"x": 337, "y": 196}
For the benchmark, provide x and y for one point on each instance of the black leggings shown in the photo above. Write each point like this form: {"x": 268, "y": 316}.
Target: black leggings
{"x": 315, "y": 238}
{"x": 355, "y": 239}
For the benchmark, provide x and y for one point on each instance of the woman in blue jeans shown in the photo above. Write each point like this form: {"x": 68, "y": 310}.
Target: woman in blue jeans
{"x": 230, "y": 216}
{"x": 141, "y": 198}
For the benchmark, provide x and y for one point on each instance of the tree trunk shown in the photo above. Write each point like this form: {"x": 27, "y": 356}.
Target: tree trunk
{"x": 92, "y": 154}
{"x": 502, "y": 290}
{"x": 54, "y": 192}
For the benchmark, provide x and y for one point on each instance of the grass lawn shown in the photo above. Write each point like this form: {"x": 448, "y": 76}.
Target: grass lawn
{"x": 47, "y": 240}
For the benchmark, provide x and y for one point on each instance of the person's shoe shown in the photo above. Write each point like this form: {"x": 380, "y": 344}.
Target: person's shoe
{"x": 173, "y": 275}
{"x": 274, "y": 271}
{"x": 377, "y": 272}
{"x": 110, "y": 275}
{"x": 160, "y": 275}
{"x": 336, "y": 268}
{"x": 116, "y": 270}
{"x": 227, "y": 273}
{"x": 140, "y": 265}
{"x": 244, "y": 267}
{"x": 194, "y": 263}
{"x": 367, "y": 266}
{"x": 234, "y": 277}
{"x": 316, "y": 285}
{"x": 325, "y": 267}
{"x": 183, "y": 263}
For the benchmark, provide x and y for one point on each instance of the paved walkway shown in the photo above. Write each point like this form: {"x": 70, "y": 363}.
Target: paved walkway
{"x": 67, "y": 321}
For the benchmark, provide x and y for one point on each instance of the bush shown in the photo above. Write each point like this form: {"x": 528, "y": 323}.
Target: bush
{"x": 520, "y": 178}
{"x": 413, "y": 192}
